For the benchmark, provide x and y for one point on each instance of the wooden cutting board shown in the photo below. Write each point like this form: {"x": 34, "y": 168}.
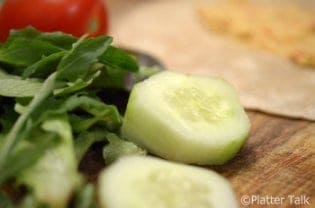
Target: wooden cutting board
{"x": 278, "y": 160}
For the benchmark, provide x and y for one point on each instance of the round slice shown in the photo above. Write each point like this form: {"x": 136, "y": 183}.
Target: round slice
{"x": 186, "y": 118}
{"x": 145, "y": 182}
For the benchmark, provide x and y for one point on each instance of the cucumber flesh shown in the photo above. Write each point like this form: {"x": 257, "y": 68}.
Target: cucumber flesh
{"x": 186, "y": 118}
{"x": 142, "y": 182}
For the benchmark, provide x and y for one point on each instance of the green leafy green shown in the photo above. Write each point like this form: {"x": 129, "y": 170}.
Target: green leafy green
{"x": 12, "y": 86}
{"x": 118, "y": 147}
{"x": 15, "y": 133}
{"x": 84, "y": 53}
{"x": 106, "y": 115}
{"x": 33, "y": 150}
{"x": 23, "y": 52}
{"x": 117, "y": 58}
{"x": 86, "y": 139}
{"x": 45, "y": 66}
{"x": 112, "y": 78}
{"x": 58, "y": 39}
{"x": 79, "y": 84}
{"x": 52, "y": 109}
{"x": 85, "y": 198}
{"x": 54, "y": 177}
{"x": 3, "y": 74}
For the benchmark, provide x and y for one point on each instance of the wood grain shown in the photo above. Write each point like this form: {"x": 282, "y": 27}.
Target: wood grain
{"x": 277, "y": 160}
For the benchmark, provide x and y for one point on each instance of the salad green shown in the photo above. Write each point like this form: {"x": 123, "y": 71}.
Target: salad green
{"x": 51, "y": 111}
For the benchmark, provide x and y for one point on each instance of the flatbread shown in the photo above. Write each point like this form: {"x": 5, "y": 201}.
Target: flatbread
{"x": 171, "y": 31}
{"x": 287, "y": 29}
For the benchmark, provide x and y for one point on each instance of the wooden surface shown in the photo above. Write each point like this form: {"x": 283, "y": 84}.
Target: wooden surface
{"x": 276, "y": 161}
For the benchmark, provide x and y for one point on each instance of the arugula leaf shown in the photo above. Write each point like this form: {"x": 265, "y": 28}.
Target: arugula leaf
{"x": 84, "y": 53}
{"x": 3, "y": 74}
{"x": 103, "y": 114}
{"x": 45, "y": 66}
{"x": 82, "y": 123}
{"x": 14, "y": 135}
{"x": 77, "y": 85}
{"x": 40, "y": 117}
{"x": 111, "y": 78}
{"x": 54, "y": 177}
{"x": 118, "y": 147}
{"x": 22, "y": 52}
{"x": 58, "y": 39}
{"x": 86, "y": 139}
{"x": 13, "y": 86}
{"x": 119, "y": 59}
{"x": 33, "y": 150}
{"x": 108, "y": 115}
{"x": 85, "y": 198}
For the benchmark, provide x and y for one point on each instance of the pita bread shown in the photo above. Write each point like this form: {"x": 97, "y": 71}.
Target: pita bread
{"x": 171, "y": 31}
{"x": 287, "y": 30}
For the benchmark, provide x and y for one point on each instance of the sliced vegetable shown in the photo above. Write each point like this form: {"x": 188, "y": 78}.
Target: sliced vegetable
{"x": 142, "y": 182}
{"x": 186, "y": 118}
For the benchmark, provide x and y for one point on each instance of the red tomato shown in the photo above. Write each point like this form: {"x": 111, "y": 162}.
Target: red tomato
{"x": 76, "y": 17}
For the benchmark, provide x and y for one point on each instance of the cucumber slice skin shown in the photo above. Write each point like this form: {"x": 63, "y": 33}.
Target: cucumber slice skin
{"x": 149, "y": 125}
{"x": 142, "y": 182}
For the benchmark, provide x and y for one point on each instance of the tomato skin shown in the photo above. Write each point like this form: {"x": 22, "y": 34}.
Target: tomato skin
{"x": 69, "y": 16}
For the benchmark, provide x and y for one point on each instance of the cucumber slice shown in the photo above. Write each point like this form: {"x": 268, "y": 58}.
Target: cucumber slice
{"x": 186, "y": 118}
{"x": 142, "y": 182}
